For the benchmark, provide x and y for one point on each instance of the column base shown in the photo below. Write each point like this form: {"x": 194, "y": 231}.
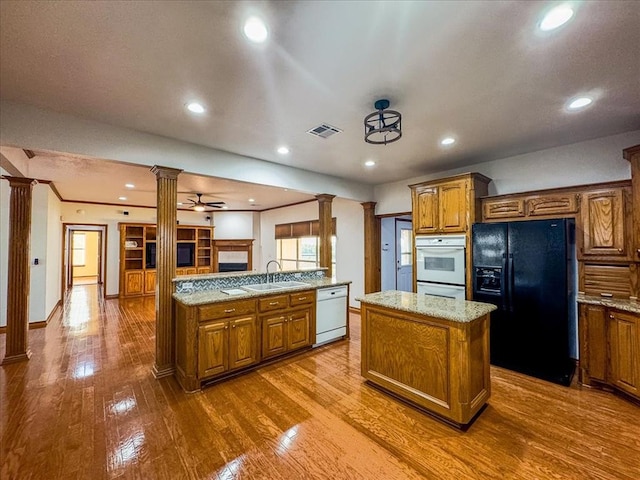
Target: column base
{"x": 20, "y": 357}
{"x": 161, "y": 372}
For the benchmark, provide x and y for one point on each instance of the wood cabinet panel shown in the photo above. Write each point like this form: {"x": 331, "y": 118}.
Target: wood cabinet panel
{"x": 275, "y": 302}
{"x": 134, "y": 282}
{"x": 302, "y": 298}
{"x": 425, "y": 210}
{"x": 243, "y": 342}
{"x": 274, "y": 340}
{"x": 502, "y": 209}
{"x": 298, "y": 329}
{"x": 150, "y": 281}
{"x": 226, "y": 309}
{"x": 610, "y": 280}
{"x": 213, "y": 347}
{"x": 202, "y": 270}
{"x": 452, "y": 207}
{"x": 624, "y": 344}
{"x": 603, "y": 224}
{"x": 560, "y": 204}
{"x": 593, "y": 343}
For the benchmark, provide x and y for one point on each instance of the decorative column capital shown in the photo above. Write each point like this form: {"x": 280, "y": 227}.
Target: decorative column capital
{"x": 20, "y": 181}
{"x": 325, "y": 197}
{"x": 166, "y": 172}
{"x": 369, "y": 205}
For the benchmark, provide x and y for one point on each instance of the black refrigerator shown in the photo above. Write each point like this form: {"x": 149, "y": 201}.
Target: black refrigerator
{"x": 527, "y": 269}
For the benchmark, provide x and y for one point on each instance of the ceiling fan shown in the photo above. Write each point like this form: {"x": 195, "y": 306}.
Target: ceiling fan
{"x": 200, "y": 206}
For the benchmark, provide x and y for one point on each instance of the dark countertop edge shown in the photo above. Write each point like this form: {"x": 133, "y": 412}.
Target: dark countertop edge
{"x": 216, "y": 296}
{"x": 632, "y": 306}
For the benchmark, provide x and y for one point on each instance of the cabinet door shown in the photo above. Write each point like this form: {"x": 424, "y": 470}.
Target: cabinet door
{"x": 453, "y": 207}
{"x": 512, "y": 208}
{"x": 298, "y": 329}
{"x": 274, "y": 333}
{"x": 425, "y": 210}
{"x": 242, "y": 342}
{"x": 134, "y": 284}
{"x": 603, "y": 223}
{"x": 213, "y": 349}
{"x": 624, "y": 344}
{"x": 593, "y": 343}
{"x": 150, "y": 281}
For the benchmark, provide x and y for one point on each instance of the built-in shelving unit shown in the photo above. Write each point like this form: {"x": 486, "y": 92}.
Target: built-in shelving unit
{"x": 138, "y": 255}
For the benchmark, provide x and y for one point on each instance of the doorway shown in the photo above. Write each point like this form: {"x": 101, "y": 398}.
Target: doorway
{"x": 396, "y": 262}
{"x": 84, "y": 256}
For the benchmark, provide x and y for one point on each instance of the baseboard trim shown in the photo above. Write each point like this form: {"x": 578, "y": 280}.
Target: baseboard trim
{"x": 111, "y": 297}
{"x": 21, "y": 357}
{"x": 354, "y": 310}
{"x": 44, "y": 323}
{"x": 3, "y": 330}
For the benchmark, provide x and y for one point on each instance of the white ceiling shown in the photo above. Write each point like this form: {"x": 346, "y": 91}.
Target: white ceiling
{"x": 478, "y": 70}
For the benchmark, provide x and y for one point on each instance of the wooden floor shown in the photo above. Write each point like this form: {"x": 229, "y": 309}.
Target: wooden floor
{"x": 86, "y": 406}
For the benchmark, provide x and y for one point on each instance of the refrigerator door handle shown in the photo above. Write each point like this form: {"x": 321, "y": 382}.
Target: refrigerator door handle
{"x": 503, "y": 283}
{"x": 510, "y": 282}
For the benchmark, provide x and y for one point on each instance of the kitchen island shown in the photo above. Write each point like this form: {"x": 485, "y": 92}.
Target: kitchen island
{"x": 430, "y": 351}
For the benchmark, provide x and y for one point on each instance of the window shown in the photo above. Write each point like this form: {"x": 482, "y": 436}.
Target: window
{"x": 303, "y": 253}
{"x": 79, "y": 252}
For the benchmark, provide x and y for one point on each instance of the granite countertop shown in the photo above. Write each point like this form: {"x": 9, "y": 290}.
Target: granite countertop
{"x": 214, "y": 296}
{"x": 626, "y": 305}
{"x": 438, "y": 307}
{"x": 200, "y": 276}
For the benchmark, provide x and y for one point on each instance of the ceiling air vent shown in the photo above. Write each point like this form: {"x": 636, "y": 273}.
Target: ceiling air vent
{"x": 324, "y": 131}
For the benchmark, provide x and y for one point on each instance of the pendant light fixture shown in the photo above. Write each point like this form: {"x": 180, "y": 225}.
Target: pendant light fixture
{"x": 383, "y": 126}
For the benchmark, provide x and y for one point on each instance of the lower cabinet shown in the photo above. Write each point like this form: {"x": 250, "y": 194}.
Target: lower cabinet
{"x": 217, "y": 339}
{"x": 226, "y": 345}
{"x": 287, "y": 325}
{"x": 134, "y": 282}
{"x": 149, "y": 281}
{"x": 610, "y": 348}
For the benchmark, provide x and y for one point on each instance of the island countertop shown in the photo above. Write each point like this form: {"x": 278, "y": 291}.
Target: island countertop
{"x": 439, "y": 307}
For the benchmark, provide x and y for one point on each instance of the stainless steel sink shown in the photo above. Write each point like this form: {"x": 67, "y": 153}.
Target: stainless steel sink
{"x": 262, "y": 287}
{"x": 291, "y": 283}
{"x": 265, "y": 287}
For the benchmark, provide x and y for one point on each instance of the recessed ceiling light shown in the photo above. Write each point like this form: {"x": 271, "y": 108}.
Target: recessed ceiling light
{"x": 283, "y": 150}
{"x": 224, "y": 207}
{"x": 195, "y": 107}
{"x": 255, "y": 30}
{"x": 129, "y": 185}
{"x": 556, "y": 17}
{"x": 369, "y": 163}
{"x": 252, "y": 200}
{"x": 179, "y": 203}
{"x": 122, "y": 198}
{"x": 448, "y": 141}
{"x": 579, "y": 102}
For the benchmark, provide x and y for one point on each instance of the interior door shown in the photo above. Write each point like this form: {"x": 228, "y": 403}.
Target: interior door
{"x": 404, "y": 255}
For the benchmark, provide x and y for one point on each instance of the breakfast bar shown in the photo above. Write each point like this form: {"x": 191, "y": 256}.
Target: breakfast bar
{"x": 430, "y": 351}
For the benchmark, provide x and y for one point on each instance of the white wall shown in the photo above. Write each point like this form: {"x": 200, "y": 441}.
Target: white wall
{"x": 581, "y": 163}
{"x": 350, "y": 238}
{"x": 53, "y": 261}
{"x": 39, "y": 218}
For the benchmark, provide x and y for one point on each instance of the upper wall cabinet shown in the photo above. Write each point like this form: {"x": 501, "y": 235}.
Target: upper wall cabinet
{"x": 447, "y": 205}
{"x": 605, "y": 224}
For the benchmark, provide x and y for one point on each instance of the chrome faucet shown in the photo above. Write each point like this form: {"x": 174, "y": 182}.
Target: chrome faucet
{"x": 269, "y": 263}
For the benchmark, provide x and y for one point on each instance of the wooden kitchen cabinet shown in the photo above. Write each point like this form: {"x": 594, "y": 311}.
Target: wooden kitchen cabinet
{"x": 213, "y": 349}
{"x": 603, "y": 224}
{"x": 287, "y": 322}
{"x": 624, "y": 348}
{"x": 150, "y": 282}
{"x": 447, "y": 205}
{"x": 609, "y": 348}
{"x": 134, "y": 282}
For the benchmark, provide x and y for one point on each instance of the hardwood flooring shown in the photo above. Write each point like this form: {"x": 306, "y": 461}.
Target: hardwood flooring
{"x": 86, "y": 406}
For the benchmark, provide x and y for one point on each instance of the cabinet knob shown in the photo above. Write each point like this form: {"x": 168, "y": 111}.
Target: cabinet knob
{"x": 233, "y": 326}
{"x": 273, "y": 303}
{"x": 620, "y": 250}
{"x": 301, "y": 298}
{"x": 226, "y": 327}
{"x": 611, "y": 316}
{"x": 230, "y": 310}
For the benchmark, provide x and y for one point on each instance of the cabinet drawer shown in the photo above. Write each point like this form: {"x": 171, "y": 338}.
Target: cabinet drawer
{"x": 273, "y": 303}
{"x": 503, "y": 208}
{"x": 302, "y": 298}
{"x": 226, "y": 310}
{"x": 552, "y": 204}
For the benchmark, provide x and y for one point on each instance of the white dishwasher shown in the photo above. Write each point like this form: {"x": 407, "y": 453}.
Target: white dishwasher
{"x": 331, "y": 314}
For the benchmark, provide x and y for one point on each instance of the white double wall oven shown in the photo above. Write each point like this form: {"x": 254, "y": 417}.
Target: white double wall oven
{"x": 440, "y": 265}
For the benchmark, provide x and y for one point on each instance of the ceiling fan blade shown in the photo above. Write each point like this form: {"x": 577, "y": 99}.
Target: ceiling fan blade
{"x": 214, "y": 204}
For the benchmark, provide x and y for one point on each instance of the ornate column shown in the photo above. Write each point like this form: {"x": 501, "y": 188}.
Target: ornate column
{"x": 371, "y": 248}
{"x": 166, "y": 239}
{"x": 632, "y": 154}
{"x": 324, "y": 231}
{"x": 18, "y": 273}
